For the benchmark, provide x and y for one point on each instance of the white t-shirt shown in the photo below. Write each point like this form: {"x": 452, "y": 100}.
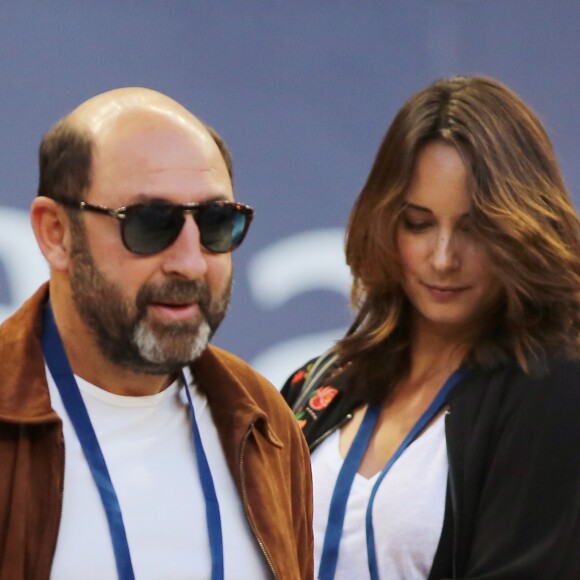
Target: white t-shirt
{"x": 408, "y": 509}
{"x": 148, "y": 448}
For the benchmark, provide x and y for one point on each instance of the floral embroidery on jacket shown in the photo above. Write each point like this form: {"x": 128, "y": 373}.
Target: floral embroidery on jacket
{"x": 298, "y": 376}
{"x": 322, "y": 398}
{"x": 319, "y": 397}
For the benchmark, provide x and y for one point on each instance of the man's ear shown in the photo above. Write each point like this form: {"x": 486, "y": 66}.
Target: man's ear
{"x": 51, "y": 227}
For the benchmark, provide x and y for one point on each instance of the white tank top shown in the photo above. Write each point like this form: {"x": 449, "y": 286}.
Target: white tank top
{"x": 407, "y": 512}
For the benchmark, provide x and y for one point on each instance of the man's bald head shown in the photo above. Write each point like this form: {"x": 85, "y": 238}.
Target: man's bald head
{"x": 104, "y": 110}
{"x": 66, "y": 151}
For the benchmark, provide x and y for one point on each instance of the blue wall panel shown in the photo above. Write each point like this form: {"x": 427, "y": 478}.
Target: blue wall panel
{"x": 302, "y": 92}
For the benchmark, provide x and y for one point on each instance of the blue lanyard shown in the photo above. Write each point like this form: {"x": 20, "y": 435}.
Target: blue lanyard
{"x": 212, "y": 508}
{"x": 334, "y": 527}
{"x": 62, "y": 374}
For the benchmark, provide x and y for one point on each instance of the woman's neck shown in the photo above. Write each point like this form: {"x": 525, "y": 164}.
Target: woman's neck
{"x": 436, "y": 353}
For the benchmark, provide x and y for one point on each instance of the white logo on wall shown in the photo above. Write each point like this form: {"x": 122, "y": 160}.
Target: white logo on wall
{"x": 304, "y": 262}
{"x": 24, "y": 265}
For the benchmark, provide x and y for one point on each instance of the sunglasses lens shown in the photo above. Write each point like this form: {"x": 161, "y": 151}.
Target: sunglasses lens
{"x": 222, "y": 227}
{"x": 148, "y": 229}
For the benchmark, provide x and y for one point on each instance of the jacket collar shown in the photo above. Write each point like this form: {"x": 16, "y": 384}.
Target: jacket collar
{"x": 24, "y": 396}
{"x": 226, "y": 382}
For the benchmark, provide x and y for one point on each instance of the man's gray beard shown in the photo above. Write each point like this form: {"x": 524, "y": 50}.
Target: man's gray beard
{"x": 152, "y": 351}
{"x": 124, "y": 334}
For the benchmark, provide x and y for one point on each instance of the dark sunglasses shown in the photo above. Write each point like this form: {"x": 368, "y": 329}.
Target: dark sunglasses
{"x": 153, "y": 227}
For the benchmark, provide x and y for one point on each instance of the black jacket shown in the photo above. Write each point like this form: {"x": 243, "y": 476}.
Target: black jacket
{"x": 513, "y": 500}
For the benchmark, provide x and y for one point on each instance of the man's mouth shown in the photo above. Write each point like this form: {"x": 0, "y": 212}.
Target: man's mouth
{"x": 174, "y": 311}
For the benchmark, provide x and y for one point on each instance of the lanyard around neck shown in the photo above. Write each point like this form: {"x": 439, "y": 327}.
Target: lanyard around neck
{"x": 337, "y": 512}
{"x": 62, "y": 374}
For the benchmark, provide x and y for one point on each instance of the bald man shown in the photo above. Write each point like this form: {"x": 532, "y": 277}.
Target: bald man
{"x": 129, "y": 448}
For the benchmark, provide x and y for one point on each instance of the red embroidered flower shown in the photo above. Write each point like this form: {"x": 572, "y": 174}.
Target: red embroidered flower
{"x": 323, "y": 397}
{"x": 298, "y": 377}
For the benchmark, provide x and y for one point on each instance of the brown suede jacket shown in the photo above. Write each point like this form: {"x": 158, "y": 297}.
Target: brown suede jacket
{"x": 264, "y": 448}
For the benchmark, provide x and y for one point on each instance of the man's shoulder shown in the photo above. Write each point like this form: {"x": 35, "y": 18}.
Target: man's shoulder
{"x": 220, "y": 366}
{"x": 26, "y": 318}
{"x": 230, "y": 382}
{"x": 20, "y": 332}
{"x": 237, "y": 366}
{"x": 23, "y": 389}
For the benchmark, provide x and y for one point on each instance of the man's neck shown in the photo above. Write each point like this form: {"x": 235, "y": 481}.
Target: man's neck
{"x": 124, "y": 383}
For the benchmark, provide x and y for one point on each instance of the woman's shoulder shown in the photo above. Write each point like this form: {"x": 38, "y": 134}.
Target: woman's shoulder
{"x": 564, "y": 368}
{"x": 557, "y": 377}
{"x": 308, "y": 378}
{"x": 316, "y": 394}
{"x": 294, "y": 383}
{"x": 506, "y": 391}
{"x": 551, "y": 370}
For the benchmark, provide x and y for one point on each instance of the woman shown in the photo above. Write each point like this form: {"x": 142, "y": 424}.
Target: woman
{"x": 445, "y": 426}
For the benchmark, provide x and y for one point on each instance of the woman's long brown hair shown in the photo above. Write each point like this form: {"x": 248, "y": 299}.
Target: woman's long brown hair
{"x": 521, "y": 211}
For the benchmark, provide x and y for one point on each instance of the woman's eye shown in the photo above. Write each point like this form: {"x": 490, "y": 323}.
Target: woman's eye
{"x": 416, "y": 226}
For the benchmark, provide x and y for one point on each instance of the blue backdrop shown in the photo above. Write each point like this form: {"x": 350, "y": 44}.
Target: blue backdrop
{"x": 302, "y": 92}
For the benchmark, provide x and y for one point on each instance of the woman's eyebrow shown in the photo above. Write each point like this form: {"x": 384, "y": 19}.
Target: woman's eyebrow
{"x": 417, "y": 207}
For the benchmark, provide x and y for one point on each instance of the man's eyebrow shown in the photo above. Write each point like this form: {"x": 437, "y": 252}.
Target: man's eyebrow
{"x": 144, "y": 198}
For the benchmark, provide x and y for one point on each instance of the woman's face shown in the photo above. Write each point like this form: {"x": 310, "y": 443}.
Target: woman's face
{"x": 448, "y": 275}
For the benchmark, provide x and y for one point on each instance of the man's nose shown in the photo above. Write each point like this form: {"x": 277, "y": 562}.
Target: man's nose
{"x": 186, "y": 256}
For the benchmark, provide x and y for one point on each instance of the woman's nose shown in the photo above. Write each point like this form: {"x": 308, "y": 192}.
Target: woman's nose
{"x": 445, "y": 253}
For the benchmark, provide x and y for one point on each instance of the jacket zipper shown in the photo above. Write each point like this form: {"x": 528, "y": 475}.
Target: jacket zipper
{"x": 246, "y": 506}
{"x": 453, "y": 494}
{"x": 330, "y": 431}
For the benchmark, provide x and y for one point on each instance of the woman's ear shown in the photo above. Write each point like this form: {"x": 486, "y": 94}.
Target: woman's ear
{"x": 51, "y": 227}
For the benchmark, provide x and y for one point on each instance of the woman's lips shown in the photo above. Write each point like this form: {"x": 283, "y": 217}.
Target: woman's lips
{"x": 445, "y": 293}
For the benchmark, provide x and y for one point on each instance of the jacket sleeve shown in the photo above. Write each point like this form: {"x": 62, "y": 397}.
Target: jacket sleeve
{"x": 523, "y": 522}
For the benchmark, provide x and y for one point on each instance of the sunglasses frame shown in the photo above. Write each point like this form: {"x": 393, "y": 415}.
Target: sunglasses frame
{"x": 193, "y": 207}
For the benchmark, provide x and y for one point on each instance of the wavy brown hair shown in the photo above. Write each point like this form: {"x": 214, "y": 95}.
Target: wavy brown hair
{"x": 521, "y": 210}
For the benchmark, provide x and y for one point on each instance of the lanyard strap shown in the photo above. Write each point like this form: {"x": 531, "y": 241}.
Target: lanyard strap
{"x": 336, "y": 514}
{"x": 212, "y": 508}
{"x": 335, "y": 525}
{"x": 62, "y": 374}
